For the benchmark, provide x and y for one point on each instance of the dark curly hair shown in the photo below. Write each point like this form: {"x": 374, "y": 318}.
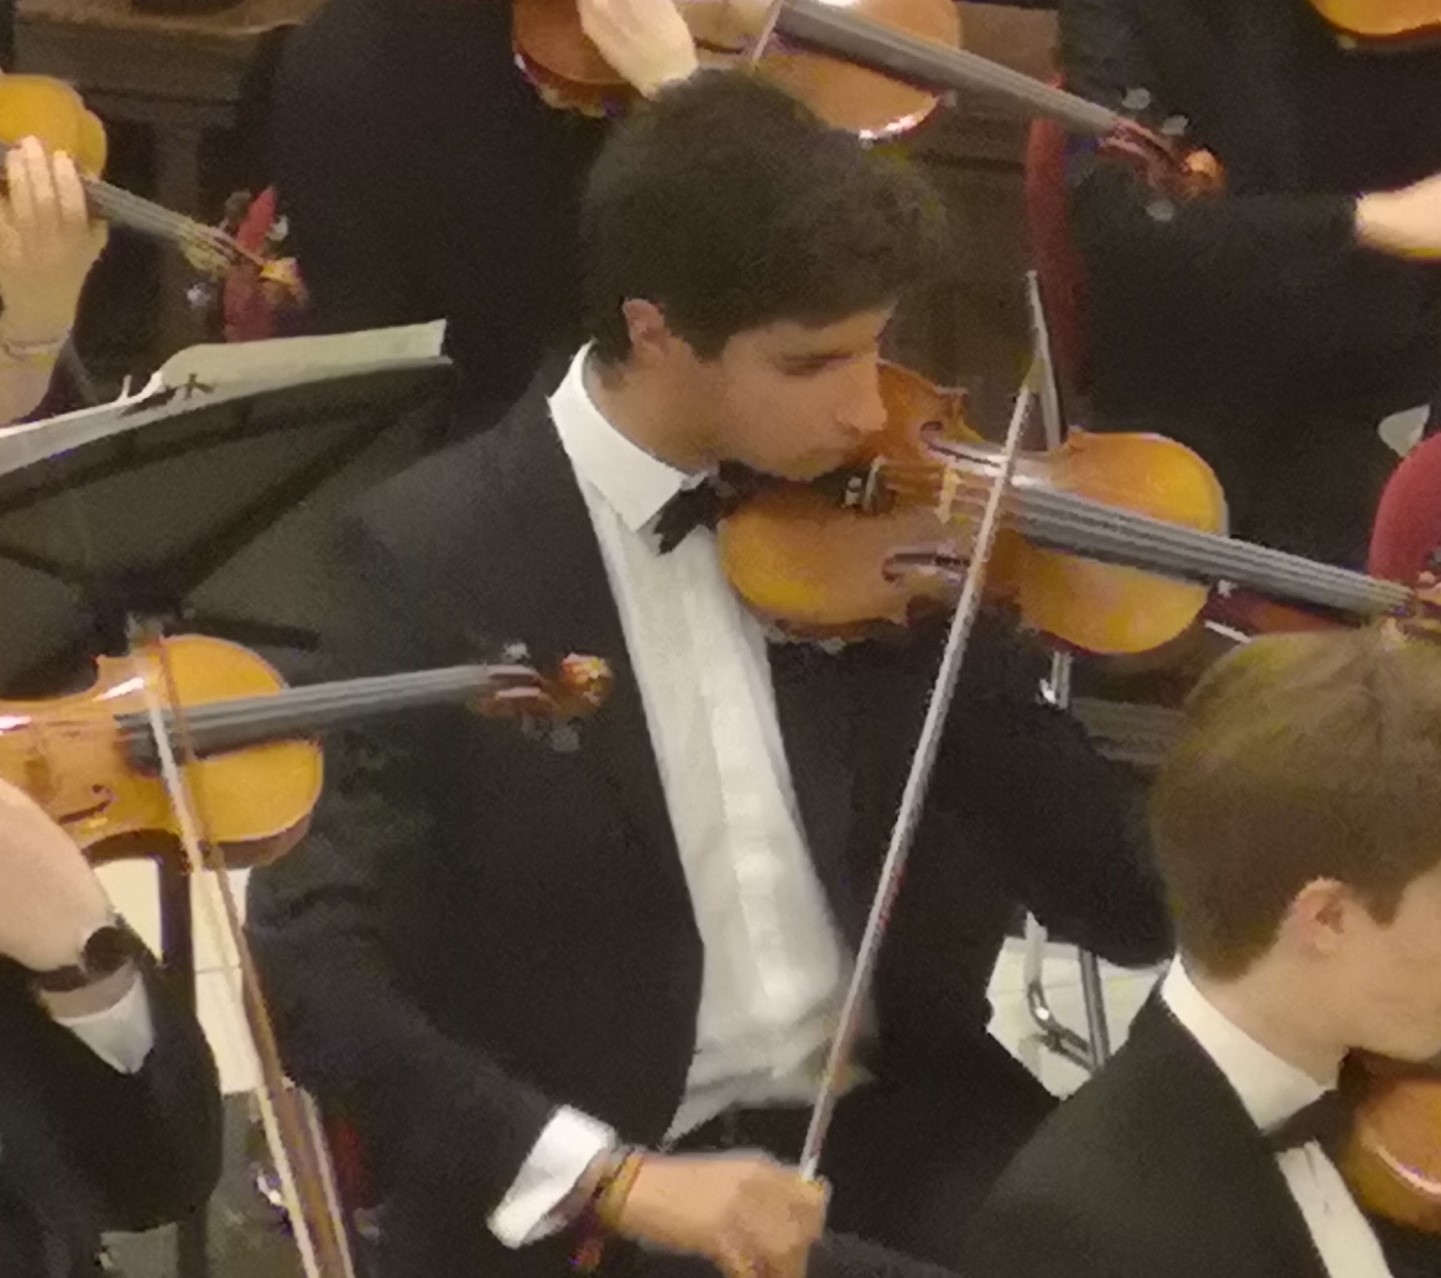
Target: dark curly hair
{"x": 730, "y": 206}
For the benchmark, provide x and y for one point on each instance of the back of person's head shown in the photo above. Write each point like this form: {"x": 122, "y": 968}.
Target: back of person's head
{"x": 1305, "y": 758}
{"x": 729, "y": 206}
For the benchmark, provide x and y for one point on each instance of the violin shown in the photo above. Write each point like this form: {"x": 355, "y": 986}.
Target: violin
{"x": 50, "y": 110}
{"x": 569, "y": 71}
{"x": 1385, "y": 24}
{"x": 91, "y": 759}
{"x": 1110, "y": 544}
{"x": 874, "y": 67}
{"x": 1391, "y": 1157}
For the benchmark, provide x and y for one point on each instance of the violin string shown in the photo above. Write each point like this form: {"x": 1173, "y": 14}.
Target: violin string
{"x": 1109, "y": 539}
{"x": 936, "y": 65}
{"x": 144, "y": 215}
{"x": 302, "y": 706}
{"x": 1067, "y": 517}
{"x": 319, "y": 707}
{"x": 1210, "y": 555}
{"x": 305, "y": 707}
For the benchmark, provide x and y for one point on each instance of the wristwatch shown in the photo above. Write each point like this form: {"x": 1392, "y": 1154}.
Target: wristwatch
{"x": 104, "y": 952}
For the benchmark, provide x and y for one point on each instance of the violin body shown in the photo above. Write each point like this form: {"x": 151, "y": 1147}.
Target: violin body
{"x": 820, "y": 570}
{"x": 570, "y": 72}
{"x": 1392, "y": 1158}
{"x": 48, "y": 109}
{"x": 70, "y": 755}
{"x": 1383, "y": 23}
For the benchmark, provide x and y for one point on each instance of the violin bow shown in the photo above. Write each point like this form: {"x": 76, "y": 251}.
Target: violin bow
{"x": 292, "y": 1132}
{"x": 913, "y": 797}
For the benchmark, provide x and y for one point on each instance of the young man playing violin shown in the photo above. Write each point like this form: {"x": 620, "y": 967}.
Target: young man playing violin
{"x": 1296, "y": 827}
{"x": 109, "y": 1099}
{"x": 1276, "y": 325}
{"x": 505, "y": 961}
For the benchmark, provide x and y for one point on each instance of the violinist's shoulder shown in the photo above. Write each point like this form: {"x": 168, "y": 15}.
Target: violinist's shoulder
{"x": 457, "y": 508}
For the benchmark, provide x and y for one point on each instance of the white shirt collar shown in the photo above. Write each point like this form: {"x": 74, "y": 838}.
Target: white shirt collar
{"x": 634, "y": 483}
{"x": 1272, "y": 1090}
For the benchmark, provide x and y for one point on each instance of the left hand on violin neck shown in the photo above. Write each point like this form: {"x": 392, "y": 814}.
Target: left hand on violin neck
{"x": 647, "y": 41}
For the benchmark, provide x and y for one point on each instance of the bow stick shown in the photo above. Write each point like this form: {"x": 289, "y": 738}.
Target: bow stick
{"x": 296, "y": 1144}
{"x": 913, "y": 798}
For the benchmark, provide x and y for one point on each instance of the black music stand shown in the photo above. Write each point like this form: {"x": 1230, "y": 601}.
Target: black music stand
{"x": 203, "y": 510}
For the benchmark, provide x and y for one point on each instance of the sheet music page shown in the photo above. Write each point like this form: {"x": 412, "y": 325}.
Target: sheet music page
{"x": 216, "y": 373}
{"x": 282, "y": 359}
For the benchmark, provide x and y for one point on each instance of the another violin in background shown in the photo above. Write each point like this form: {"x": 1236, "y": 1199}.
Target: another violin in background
{"x": 570, "y": 71}
{"x": 1383, "y": 24}
{"x": 91, "y": 759}
{"x": 48, "y": 109}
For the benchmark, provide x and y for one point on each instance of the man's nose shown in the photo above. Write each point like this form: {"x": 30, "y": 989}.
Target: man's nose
{"x": 863, "y": 412}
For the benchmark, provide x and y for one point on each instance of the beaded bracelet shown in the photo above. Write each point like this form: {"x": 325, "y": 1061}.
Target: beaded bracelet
{"x": 601, "y": 1214}
{"x": 22, "y": 352}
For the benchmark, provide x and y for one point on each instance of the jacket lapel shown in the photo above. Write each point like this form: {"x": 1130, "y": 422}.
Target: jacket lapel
{"x": 541, "y": 509}
{"x": 1233, "y": 1160}
{"x": 558, "y": 601}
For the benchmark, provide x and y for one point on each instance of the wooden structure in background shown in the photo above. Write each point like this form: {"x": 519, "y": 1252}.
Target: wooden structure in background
{"x": 189, "y": 79}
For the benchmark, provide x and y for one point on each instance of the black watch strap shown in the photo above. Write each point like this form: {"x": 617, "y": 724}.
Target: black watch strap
{"x": 105, "y": 951}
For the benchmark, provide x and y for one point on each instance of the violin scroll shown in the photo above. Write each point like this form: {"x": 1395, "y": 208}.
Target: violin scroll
{"x": 1163, "y": 164}
{"x": 548, "y": 705}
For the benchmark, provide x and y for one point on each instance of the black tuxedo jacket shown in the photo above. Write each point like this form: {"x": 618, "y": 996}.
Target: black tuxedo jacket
{"x": 481, "y": 926}
{"x": 84, "y": 1147}
{"x": 1155, "y": 1168}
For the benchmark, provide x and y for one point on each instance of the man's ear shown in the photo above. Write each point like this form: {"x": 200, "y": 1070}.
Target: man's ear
{"x": 651, "y": 339}
{"x": 1323, "y": 915}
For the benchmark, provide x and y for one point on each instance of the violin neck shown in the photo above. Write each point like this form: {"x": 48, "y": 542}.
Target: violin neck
{"x": 1065, "y": 521}
{"x": 935, "y": 67}
{"x": 135, "y": 213}
{"x": 298, "y": 713}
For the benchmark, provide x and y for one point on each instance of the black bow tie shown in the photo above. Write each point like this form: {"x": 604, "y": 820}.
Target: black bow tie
{"x": 1325, "y": 1121}
{"x": 705, "y": 504}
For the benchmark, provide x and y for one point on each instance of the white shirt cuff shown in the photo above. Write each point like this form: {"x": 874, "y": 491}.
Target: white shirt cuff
{"x": 569, "y": 1143}
{"x": 121, "y": 1035}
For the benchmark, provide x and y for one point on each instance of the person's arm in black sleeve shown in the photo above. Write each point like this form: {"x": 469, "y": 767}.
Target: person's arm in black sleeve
{"x": 327, "y": 919}
{"x": 1021, "y": 1235}
{"x": 1291, "y": 261}
{"x": 1023, "y": 783}
{"x": 148, "y": 1142}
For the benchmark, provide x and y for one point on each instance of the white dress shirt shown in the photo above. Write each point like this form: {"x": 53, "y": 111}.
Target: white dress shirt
{"x": 1272, "y": 1091}
{"x": 121, "y": 1035}
{"x": 775, "y": 970}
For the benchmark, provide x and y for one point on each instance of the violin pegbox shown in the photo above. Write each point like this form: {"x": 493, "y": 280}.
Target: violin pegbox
{"x": 547, "y": 707}
{"x": 1421, "y": 617}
